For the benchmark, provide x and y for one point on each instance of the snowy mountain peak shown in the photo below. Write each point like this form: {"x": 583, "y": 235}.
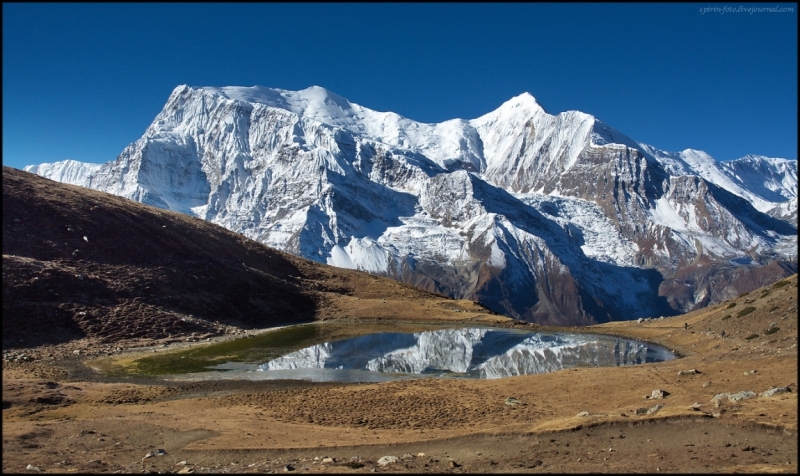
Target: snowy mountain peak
{"x": 757, "y": 160}
{"x": 517, "y": 108}
{"x": 525, "y": 99}
{"x": 67, "y": 171}
{"x": 603, "y": 134}
{"x": 313, "y": 102}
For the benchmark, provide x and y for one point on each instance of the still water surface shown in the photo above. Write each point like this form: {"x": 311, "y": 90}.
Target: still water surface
{"x": 472, "y": 352}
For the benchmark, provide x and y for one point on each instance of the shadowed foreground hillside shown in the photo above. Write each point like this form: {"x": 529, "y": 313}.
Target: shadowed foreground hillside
{"x": 81, "y": 263}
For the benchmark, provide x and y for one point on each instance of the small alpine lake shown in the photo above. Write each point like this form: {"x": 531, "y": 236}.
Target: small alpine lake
{"x": 374, "y": 351}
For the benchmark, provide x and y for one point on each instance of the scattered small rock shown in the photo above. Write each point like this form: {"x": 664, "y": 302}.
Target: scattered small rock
{"x": 775, "y": 390}
{"x": 31, "y": 467}
{"x": 288, "y": 468}
{"x": 719, "y": 398}
{"x": 453, "y": 464}
{"x": 158, "y": 452}
{"x": 387, "y": 460}
{"x": 327, "y": 460}
{"x": 743, "y": 395}
{"x": 654, "y": 409}
{"x": 186, "y": 470}
{"x": 512, "y": 401}
{"x": 689, "y": 372}
{"x": 658, "y": 394}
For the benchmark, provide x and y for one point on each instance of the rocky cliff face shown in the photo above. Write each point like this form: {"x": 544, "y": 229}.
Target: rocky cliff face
{"x": 553, "y": 219}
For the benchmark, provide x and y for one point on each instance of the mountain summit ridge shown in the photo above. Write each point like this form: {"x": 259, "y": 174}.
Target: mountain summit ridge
{"x": 558, "y": 219}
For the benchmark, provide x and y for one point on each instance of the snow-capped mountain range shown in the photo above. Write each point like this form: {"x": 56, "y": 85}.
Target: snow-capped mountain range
{"x": 557, "y": 219}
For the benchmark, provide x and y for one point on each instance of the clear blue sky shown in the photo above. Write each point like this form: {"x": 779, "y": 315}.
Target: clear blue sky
{"x": 82, "y": 81}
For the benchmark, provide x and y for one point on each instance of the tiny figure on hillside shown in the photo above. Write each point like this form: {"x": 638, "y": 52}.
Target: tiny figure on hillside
{"x": 686, "y": 326}
{"x": 722, "y": 334}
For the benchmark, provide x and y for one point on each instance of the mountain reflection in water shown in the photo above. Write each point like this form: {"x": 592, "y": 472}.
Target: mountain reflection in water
{"x": 471, "y": 352}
